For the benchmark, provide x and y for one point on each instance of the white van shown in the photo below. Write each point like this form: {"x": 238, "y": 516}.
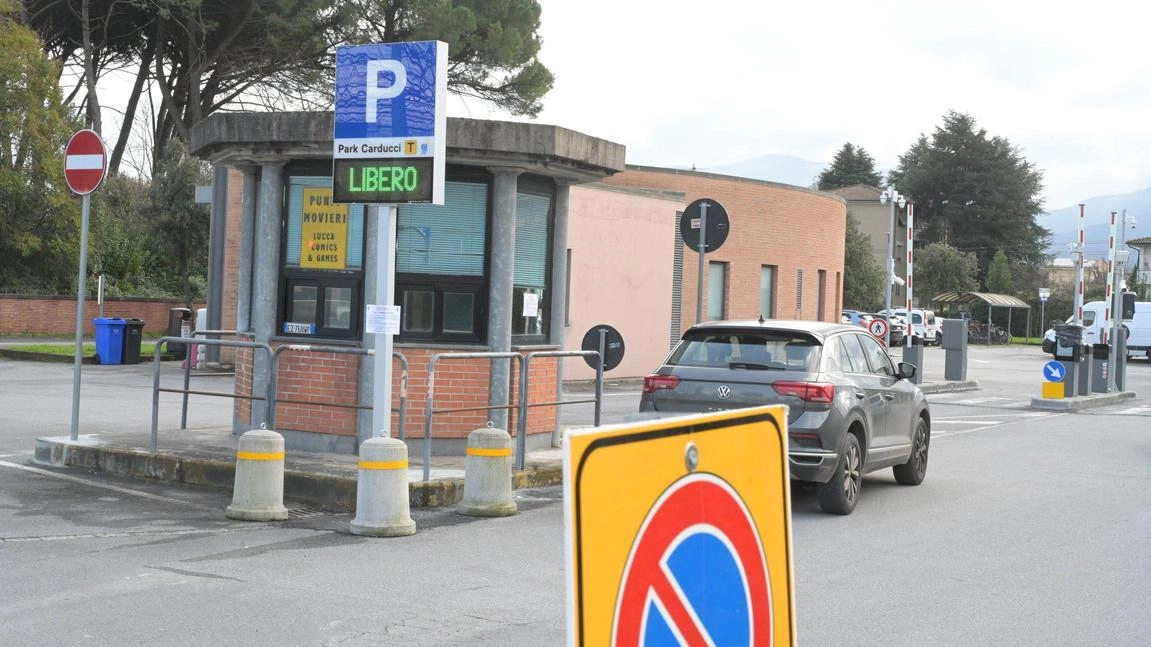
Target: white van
{"x": 924, "y": 325}
{"x": 1138, "y": 329}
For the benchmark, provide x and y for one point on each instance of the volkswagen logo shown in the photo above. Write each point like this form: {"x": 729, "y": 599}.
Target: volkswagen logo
{"x": 724, "y": 392}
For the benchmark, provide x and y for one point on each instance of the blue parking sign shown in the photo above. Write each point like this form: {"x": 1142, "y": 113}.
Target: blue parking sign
{"x": 389, "y": 141}
{"x": 1054, "y": 371}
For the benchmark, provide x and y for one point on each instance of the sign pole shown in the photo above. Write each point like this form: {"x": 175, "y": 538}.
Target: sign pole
{"x": 702, "y": 253}
{"x": 80, "y": 289}
{"x": 385, "y": 296}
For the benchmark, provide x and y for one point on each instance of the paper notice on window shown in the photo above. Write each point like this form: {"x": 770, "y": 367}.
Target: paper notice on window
{"x": 531, "y": 304}
{"x": 382, "y": 320}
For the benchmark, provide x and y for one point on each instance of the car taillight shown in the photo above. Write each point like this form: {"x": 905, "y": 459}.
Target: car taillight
{"x": 806, "y": 391}
{"x": 653, "y": 383}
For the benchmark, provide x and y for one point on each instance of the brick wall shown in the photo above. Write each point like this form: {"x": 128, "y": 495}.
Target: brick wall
{"x": 460, "y": 384}
{"x": 56, "y": 316}
{"x": 771, "y": 224}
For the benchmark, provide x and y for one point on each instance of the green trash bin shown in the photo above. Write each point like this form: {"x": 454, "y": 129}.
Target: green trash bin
{"x": 133, "y": 336}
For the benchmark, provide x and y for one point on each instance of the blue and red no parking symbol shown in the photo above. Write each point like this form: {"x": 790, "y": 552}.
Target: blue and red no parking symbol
{"x": 697, "y": 573}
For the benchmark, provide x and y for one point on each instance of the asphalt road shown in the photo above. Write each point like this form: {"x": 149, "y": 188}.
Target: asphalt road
{"x": 1031, "y": 529}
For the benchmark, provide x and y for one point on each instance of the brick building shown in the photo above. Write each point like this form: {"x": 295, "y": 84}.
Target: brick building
{"x": 595, "y": 242}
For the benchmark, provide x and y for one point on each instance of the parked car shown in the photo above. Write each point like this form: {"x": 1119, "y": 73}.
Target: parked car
{"x": 851, "y": 410}
{"x": 855, "y": 318}
{"x": 924, "y": 325}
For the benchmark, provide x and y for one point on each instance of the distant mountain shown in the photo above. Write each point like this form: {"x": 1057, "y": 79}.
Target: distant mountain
{"x": 784, "y": 169}
{"x": 1064, "y": 222}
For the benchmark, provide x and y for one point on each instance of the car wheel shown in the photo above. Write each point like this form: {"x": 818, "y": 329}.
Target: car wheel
{"x": 839, "y": 495}
{"x": 915, "y": 469}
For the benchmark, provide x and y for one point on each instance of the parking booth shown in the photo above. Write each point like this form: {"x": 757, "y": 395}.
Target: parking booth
{"x": 1075, "y": 357}
{"x": 109, "y": 339}
{"x": 133, "y": 337}
{"x": 1100, "y": 353}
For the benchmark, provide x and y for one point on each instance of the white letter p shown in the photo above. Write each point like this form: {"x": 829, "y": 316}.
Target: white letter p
{"x": 376, "y": 93}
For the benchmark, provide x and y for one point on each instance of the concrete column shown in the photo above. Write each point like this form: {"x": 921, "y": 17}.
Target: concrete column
{"x": 217, "y": 239}
{"x": 558, "y": 309}
{"x": 365, "y": 377}
{"x": 503, "y": 255}
{"x": 247, "y": 226}
{"x": 266, "y": 277}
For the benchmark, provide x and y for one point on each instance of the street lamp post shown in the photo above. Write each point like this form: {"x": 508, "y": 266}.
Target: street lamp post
{"x": 890, "y": 195}
{"x": 1044, "y": 293}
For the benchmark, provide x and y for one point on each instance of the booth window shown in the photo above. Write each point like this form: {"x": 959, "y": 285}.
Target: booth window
{"x": 323, "y": 262}
{"x": 530, "y": 274}
{"x": 441, "y": 253}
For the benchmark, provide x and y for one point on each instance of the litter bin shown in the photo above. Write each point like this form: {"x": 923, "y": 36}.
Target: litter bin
{"x": 109, "y": 339}
{"x": 133, "y": 335}
{"x": 179, "y": 325}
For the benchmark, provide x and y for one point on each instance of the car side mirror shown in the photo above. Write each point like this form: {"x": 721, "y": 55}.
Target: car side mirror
{"x": 906, "y": 370}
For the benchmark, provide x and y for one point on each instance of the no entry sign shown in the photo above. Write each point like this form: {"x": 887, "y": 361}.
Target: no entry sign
{"x": 84, "y": 162}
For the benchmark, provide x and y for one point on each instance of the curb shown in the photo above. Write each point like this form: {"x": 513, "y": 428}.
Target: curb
{"x": 1077, "y": 402}
{"x": 949, "y": 387}
{"x": 337, "y": 493}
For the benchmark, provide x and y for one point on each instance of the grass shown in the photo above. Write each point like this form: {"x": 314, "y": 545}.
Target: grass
{"x": 89, "y": 348}
{"x": 1033, "y": 341}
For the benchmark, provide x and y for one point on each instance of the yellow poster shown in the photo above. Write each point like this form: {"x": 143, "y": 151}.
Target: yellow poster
{"x": 324, "y": 234}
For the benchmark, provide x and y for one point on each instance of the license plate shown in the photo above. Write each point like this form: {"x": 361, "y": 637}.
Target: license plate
{"x": 299, "y": 328}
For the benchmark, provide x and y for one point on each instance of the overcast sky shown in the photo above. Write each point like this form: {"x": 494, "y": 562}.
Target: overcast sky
{"x": 720, "y": 81}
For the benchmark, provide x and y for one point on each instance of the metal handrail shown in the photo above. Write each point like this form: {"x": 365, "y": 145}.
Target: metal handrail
{"x": 522, "y": 423}
{"x": 207, "y": 342}
{"x": 188, "y": 369}
{"x": 428, "y": 411}
{"x": 340, "y": 350}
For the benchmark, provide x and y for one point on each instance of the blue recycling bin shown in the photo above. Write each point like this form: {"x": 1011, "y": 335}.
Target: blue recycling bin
{"x": 109, "y": 339}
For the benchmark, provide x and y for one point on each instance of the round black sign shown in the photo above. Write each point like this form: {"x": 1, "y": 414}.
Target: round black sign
{"x": 717, "y": 224}
{"x": 613, "y": 346}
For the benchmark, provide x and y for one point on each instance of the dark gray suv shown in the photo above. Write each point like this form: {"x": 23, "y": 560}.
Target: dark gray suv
{"x": 851, "y": 410}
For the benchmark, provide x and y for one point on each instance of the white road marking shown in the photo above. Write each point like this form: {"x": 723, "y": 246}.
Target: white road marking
{"x": 991, "y": 426}
{"x": 105, "y": 486}
{"x": 141, "y": 533}
{"x": 990, "y": 401}
{"x": 1133, "y": 411}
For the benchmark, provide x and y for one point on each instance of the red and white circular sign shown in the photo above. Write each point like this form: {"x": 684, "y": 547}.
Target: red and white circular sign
{"x": 878, "y": 328}
{"x": 84, "y": 162}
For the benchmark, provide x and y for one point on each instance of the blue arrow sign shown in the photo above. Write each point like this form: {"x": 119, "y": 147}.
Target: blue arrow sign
{"x": 1054, "y": 371}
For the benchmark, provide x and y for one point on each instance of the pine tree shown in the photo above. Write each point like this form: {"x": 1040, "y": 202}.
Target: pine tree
{"x": 975, "y": 192}
{"x": 999, "y": 274}
{"x": 852, "y": 165}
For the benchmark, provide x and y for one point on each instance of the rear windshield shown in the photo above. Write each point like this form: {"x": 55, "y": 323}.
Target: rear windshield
{"x": 767, "y": 349}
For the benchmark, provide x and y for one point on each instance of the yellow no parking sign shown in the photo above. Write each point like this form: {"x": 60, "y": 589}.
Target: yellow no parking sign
{"x": 678, "y": 532}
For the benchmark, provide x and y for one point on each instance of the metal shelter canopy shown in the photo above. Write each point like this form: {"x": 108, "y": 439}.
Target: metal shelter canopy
{"x": 989, "y": 298}
{"x": 992, "y": 300}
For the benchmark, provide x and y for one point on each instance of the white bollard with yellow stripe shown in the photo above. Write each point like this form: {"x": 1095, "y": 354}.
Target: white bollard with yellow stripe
{"x": 258, "y": 494}
{"x": 382, "y": 505}
{"x": 488, "y": 475}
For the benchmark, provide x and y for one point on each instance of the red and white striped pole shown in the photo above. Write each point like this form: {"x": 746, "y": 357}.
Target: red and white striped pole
{"x": 1079, "y": 271}
{"x": 910, "y": 258}
{"x": 1104, "y": 333}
